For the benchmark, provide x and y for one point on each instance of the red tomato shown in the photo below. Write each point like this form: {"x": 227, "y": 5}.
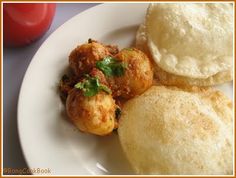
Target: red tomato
{"x": 26, "y": 22}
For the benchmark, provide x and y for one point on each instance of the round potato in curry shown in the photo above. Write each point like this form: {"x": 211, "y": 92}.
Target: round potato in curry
{"x": 138, "y": 75}
{"x": 94, "y": 114}
{"x": 83, "y": 58}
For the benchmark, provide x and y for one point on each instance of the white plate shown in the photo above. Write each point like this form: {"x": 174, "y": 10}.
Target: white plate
{"x": 47, "y": 139}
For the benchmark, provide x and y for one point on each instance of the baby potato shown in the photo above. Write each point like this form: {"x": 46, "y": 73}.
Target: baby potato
{"x": 94, "y": 114}
{"x": 83, "y": 58}
{"x": 138, "y": 75}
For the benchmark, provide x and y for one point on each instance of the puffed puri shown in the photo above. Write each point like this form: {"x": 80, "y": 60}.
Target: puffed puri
{"x": 188, "y": 131}
{"x": 193, "y": 40}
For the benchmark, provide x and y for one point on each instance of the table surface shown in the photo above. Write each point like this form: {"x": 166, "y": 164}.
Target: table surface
{"x": 15, "y": 64}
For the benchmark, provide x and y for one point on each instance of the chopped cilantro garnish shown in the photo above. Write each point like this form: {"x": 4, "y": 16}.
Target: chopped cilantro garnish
{"x": 91, "y": 86}
{"x": 111, "y": 66}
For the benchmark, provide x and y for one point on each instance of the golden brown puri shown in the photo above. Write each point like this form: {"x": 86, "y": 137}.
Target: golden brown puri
{"x": 174, "y": 80}
{"x": 167, "y": 78}
{"x": 191, "y": 40}
{"x": 170, "y": 79}
{"x": 94, "y": 114}
{"x": 138, "y": 75}
{"x": 170, "y": 130}
{"x": 84, "y": 57}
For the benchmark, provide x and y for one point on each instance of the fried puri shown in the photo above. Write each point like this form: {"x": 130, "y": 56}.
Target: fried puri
{"x": 187, "y": 131}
